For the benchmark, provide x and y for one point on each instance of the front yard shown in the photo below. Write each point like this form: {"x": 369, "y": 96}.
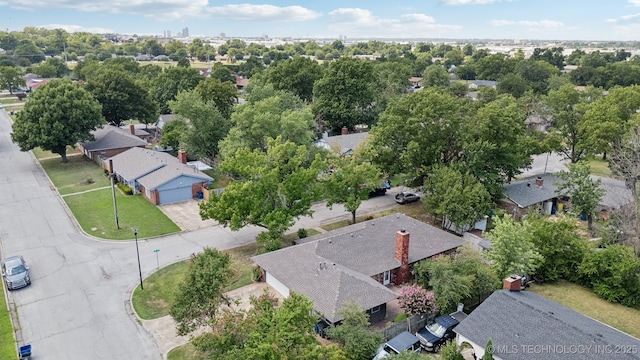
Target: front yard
{"x": 87, "y": 192}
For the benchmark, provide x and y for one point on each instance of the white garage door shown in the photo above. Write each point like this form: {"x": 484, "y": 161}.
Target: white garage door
{"x": 283, "y": 290}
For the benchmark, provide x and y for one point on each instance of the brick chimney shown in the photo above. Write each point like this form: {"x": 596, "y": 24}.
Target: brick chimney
{"x": 345, "y": 131}
{"x": 182, "y": 156}
{"x": 132, "y": 129}
{"x": 512, "y": 283}
{"x": 539, "y": 181}
{"x": 402, "y": 254}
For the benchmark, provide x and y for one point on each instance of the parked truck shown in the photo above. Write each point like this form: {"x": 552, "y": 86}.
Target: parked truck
{"x": 439, "y": 330}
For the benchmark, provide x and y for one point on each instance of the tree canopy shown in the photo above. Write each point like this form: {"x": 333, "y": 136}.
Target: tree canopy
{"x": 512, "y": 249}
{"x": 585, "y": 193}
{"x": 276, "y": 186}
{"x": 59, "y": 114}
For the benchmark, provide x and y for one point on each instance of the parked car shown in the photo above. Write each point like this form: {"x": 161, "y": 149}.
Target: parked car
{"x": 406, "y": 341}
{"x": 15, "y": 272}
{"x": 406, "y": 197}
{"x": 439, "y": 330}
{"x": 380, "y": 189}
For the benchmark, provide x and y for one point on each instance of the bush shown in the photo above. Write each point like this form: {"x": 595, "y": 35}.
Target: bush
{"x": 302, "y": 233}
{"x": 256, "y": 274}
{"x": 125, "y": 189}
{"x": 400, "y": 317}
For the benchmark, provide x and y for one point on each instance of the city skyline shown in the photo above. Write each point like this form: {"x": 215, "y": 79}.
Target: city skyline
{"x": 454, "y": 19}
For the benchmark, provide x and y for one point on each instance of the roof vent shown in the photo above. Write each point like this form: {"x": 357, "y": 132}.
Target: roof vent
{"x": 403, "y": 230}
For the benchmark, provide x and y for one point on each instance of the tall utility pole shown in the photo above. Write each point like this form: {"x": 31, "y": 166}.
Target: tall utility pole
{"x": 113, "y": 193}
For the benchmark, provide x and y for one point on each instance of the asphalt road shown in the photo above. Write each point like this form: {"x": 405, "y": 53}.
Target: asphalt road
{"x": 78, "y": 304}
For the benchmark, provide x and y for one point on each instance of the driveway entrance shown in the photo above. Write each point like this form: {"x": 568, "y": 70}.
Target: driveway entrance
{"x": 186, "y": 215}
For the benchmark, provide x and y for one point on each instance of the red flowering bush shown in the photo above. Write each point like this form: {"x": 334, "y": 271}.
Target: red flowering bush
{"x": 415, "y": 300}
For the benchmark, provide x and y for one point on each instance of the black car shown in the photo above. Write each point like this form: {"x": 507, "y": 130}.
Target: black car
{"x": 406, "y": 197}
{"x": 437, "y": 332}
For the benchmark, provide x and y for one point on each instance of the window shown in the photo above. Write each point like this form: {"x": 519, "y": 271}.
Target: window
{"x": 375, "y": 309}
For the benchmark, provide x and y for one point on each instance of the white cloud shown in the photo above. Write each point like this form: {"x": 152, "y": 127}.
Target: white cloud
{"x": 634, "y": 2}
{"x": 356, "y": 22}
{"x": 542, "y": 24}
{"x": 174, "y": 9}
{"x": 251, "y": 12}
{"x": 624, "y": 18}
{"x": 77, "y": 28}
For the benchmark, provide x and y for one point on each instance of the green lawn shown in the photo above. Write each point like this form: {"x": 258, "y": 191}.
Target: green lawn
{"x": 79, "y": 174}
{"x": 42, "y": 154}
{"x": 599, "y": 167}
{"x": 415, "y": 210}
{"x": 7, "y": 342}
{"x": 160, "y": 288}
{"x": 185, "y": 352}
{"x": 94, "y": 212}
{"x": 586, "y": 302}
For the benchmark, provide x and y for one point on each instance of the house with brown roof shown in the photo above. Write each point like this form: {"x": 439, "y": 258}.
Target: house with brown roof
{"x": 158, "y": 176}
{"x": 356, "y": 263}
{"x": 109, "y": 141}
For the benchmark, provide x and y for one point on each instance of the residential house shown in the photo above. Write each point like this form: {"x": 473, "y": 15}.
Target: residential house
{"x": 343, "y": 144}
{"x": 158, "y": 176}
{"x": 109, "y": 141}
{"x": 355, "y": 263}
{"x": 483, "y": 83}
{"x": 138, "y": 130}
{"x": 523, "y": 325}
{"x": 540, "y": 191}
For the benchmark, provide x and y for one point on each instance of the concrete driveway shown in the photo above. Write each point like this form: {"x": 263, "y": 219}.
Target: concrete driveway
{"x": 186, "y": 215}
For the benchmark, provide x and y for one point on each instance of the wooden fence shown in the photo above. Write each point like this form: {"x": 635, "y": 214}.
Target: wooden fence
{"x": 411, "y": 324}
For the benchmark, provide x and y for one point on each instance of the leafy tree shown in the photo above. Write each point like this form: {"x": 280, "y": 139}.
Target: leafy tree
{"x": 122, "y": 98}
{"x": 173, "y": 133}
{"x": 184, "y": 62}
{"x": 206, "y": 125}
{"x": 202, "y": 291}
{"x": 585, "y": 193}
{"x": 455, "y": 197}
{"x": 435, "y": 76}
{"x": 613, "y": 274}
{"x": 415, "y": 300}
{"x": 283, "y": 333}
{"x": 513, "y": 84}
{"x": 488, "y": 354}
{"x": 354, "y": 337}
{"x": 450, "y": 287}
{"x": 418, "y": 131}
{"x": 58, "y": 115}
{"x": 561, "y": 248}
{"x": 493, "y": 67}
{"x": 345, "y": 94}
{"x": 167, "y": 85}
{"x": 295, "y": 75}
{"x": 568, "y": 107}
{"x": 449, "y": 351}
{"x": 393, "y": 79}
{"x": 350, "y": 183}
{"x": 276, "y": 187}
{"x": 29, "y": 52}
{"x": 254, "y": 122}
{"x": 11, "y": 77}
{"x": 224, "y": 95}
{"x": 252, "y": 66}
{"x": 222, "y": 73}
{"x": 512, "y": 249}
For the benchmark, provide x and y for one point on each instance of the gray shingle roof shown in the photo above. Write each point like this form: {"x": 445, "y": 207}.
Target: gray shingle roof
{"x": 343, "y": 143}
{"x": 525, "y": 192}
{"x": 152, "y": 168}
{"x": 112, "y": 137}
{"x": 519, "y": 320}
{"x": 359, "y": 252}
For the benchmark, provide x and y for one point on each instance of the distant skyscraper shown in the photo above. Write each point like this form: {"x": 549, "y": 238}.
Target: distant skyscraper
{"x": 185, "y": 32}
{"x": 167, "y": 33}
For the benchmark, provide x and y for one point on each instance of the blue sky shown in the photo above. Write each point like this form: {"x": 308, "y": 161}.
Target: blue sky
{"x": 461, "y": 19}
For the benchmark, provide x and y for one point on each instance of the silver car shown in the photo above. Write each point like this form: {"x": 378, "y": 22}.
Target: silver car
{"x": 15, "y": 272}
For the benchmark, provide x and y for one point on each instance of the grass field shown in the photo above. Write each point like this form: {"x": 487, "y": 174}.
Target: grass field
{"x": 43, "y": 154}
{"x": 7, "y": 342}
{"x": 94, "y": 212}
{"x": 161, "y": 286}
{"x": 586, "y": 302}
{"x": 599, "y": 167}
{"x": 79, "y": 174}
{"x": 184, "y": 352}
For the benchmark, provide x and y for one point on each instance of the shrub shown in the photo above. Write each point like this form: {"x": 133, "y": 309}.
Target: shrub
{"x": 256, "y": 273}
{"x": 415, "y": 300}
{"x": 400, "y": 317}
{"x": 125, "y": 188}
{"x": 302, "y": 233}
